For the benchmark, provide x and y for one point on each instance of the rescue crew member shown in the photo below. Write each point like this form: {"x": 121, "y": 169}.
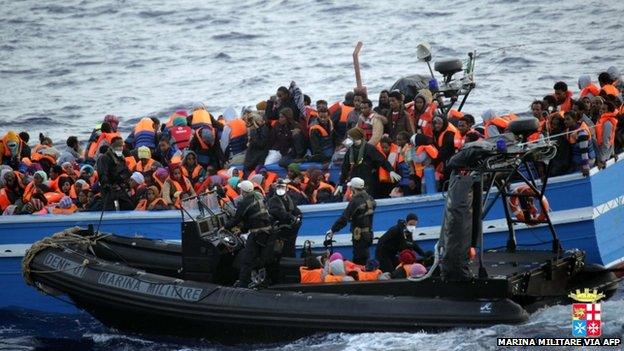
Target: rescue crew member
{"x": 398, "y": 238}
{"x": 362, "y": 160}
{"x": 254, "y": 216}
{"x": 114, "y": 176}
{"x": 359, "y": 212}
{"x": 286, "y": 218}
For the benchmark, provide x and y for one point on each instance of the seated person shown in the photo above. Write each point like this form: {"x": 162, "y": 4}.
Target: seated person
{"x": 371, "y": 271}
{"x": 312, "y": 271}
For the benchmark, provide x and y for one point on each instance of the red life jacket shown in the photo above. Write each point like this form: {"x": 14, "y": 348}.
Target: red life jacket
{"x": 366, "y": 127}
{"x": 425, "y": 121}
{"x": 181, "y": 136}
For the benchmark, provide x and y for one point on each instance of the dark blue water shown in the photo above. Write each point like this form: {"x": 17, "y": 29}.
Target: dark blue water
{"x": 64, "y": 65}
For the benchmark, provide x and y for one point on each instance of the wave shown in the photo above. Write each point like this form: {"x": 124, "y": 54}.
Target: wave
{"x": 235, "y": 36}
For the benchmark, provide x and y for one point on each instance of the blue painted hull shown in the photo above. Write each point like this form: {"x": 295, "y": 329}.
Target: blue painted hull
{"x": 588, "y": 214}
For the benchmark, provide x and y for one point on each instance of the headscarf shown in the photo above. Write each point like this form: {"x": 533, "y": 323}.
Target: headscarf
{"x": 43, "y": 175}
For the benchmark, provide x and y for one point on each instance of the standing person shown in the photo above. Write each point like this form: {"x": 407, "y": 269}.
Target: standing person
{"x": 280, "y": 101}
{"x": 579, "y": 137}
{"x": 340, "y": 115}
{"x": 285, "y": 213}
{"x": 398, "y": 238}
{"x": 113, "y": 175}
{"x": 254, "y": 216}
{"x": 362, "y": 160}
{"x": 371, "y": 122}
{"x": 384, "y": 105}
{"x": 258, "y": 142}
{"x": 281, "y": 140}
{"x": 605, "y": 133}
{"x": 563, "y": 96}
{"x": 359, "y": 212}
{"x": 398, "y": 119}
{"x": 321, "y": 137}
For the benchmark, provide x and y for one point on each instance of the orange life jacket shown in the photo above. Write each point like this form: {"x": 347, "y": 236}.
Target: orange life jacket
{"x": 139, "y": 167}
{"x": 364, "y": 275}
{"x": 344, "y": 113}
{"x": 53, "y": 196}
{"x": 392, "y": 157}
{"x": 310, "y": 276}
{"x": 611, "y": 117}
{"x": 457, "y": 138}
{"x": 500, "y": 121}
{"x": 350, "y": 266}
{"x": 455, "y": 114}
{"x": 230, "y": 192}
{"x": 425, "y": 121}
{"x": 179, "y": 188}
{"x": 330, "y": 278}
{"x": 238, "y": 136}
{"x": 142, "y": 205}
{"x": 566, "y": 105}
{"x": 194, "y": 175}
{"x": 590, "y": 89}
{"x": 574, "y": 135}
{"x": 200, "y": 118}
{"x": 271, "y": 177}
{"x": 29, "y": 191}
{"x": 610, "y": 89}
{"x": 4, "y": 199}
{"x": 94, "y": 148}
{"x": 431, "y": 150}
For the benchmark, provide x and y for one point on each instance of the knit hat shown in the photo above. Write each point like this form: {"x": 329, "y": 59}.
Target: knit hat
{"x": 137, "y": 177}
{"x": 161, "y": 173}
{"x": 65, "y": 202}
{"x": 335, "y": 256}
{"x": 356, "y": 133}
{"x": 294, "y": 167}
{"x": 179, "y": 121}
{"x": 43, "y": 175}
{"x": 407, "y": 256}
{"x": 417, "y": 270}
{"x": 144, "y": 152}
{"x": 88, "y": 169}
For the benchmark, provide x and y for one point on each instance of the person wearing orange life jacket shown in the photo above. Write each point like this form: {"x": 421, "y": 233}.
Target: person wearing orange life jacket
{"x": 12, "y": 191}
{"x": 173, "y": 116}
{"x": 191, "y": 169}
{"x": 137, "y": 187}
{"x": 53, "y": 180}
{"x": 586, "y": 87}
{"x": 200, "y": 117}
{"x": 207, "y": 149}
{"x": 152, "y": 201}
{"x": 321, "y": 137}
{"x": 605, "y": 133}
{"x": 340, "y": 115}
{"x": 397, "y": 119}
{"x": 234, "y": 137}
{"x": 422, "y": 112}
{"x": 165, "y": 152}
{"x": 143, "y": 134}
{"x": 464, "y": 126}
{"x": 407, "y": 258}
{"x": 180, "y": 133}
{"x": 579, "y": 137}
{"x": 390, "y": 151}
{"x": 371, "y": 123}
{"x": 146, "y": 163}
{"x": 317, "y": 190}
{"x": 423, "y": 154}
{"x": 494, "y": 124}
{"x": 263, "y": 178}
{"x": 37, "y": 186}
{"x": 337, "y": 273}
{"x": 606, "y": 85}
{"x": 177, "y": 187}
{"x": 447, "y": 140}
{"x": 563, "y": 96}
{"x": 105, "y": 138}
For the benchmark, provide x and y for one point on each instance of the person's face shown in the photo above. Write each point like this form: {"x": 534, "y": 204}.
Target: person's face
{"x": 394, "y": 103}
{"x": 536, "y": 109}
{"x": 282, "y": 120}
{"x": 587, "y": 103}
{"x": 10, "y": 179}
{"x": 560, "y": 95}
{"x": 419, "y": 104}
{"x": 366, "y": 110}
{"x": 281, "y": 96}
{"x": 603, "y": 109}
{"x": 82, "y": 197}
{"x": 357, "y": 102}
{"x": 176, "y": 174}
{"x": 437, "y": 124}
{"x": 66, "y": 187}
{"x": 463, "y": 127}
{"x": 383, "y": 98}
{"x": 385, "y": 147}
{"x": 53, "y": 174}
{"x": 190, "y": 160}
{"x": 132, "y": 183}
{"x": 163, "y": 146}
{"x": 412, "y": 222}
{"x": 401, "y": 141}
{"x": 323, "y": 115}
{"x": 69, "y": 170}
{"x": 555, "y": 125}
{"x": 569, "y": 122}
{"x": 38, "y": 179}
{"x": 151, "y": 195}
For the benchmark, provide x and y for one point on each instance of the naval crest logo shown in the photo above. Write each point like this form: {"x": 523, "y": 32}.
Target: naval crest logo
{"x": 586, "y": 315}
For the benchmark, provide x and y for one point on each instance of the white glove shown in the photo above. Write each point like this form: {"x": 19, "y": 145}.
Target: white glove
{"x": 395, "y": 176}
{"x": 338, "y": 191}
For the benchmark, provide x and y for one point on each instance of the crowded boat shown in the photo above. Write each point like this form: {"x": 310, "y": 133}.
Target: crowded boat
{"x": 394, "y": 146}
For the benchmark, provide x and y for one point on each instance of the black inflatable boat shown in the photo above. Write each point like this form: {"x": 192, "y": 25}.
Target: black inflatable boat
{"x": 158, "y": 287}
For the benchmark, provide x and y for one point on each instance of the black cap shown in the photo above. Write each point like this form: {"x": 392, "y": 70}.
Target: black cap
{"x": 411, "y": 216}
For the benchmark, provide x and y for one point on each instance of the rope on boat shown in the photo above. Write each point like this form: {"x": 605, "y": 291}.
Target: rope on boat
{"x": 60, "y": 240}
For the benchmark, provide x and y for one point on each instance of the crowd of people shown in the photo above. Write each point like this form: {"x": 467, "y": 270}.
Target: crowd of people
{"x": 390, "y": 145}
